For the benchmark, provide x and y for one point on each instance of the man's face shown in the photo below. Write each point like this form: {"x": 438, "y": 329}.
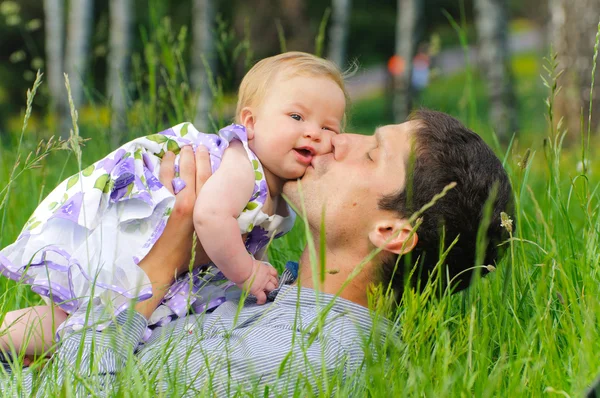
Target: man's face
{"x": 351, "y": 180}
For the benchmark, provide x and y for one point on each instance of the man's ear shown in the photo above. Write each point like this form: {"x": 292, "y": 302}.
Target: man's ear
{"x": 394, "y": 236}
{"x": 248, "y": 119}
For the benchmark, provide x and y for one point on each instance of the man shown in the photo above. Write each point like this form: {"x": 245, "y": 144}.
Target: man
{"x": 369, "y": 186}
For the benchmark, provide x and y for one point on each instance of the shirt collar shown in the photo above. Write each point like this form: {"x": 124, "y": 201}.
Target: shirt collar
{"x": 287, "y": 295}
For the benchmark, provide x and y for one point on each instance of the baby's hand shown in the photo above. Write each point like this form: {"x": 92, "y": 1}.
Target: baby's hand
{"x": 262, "y": 280}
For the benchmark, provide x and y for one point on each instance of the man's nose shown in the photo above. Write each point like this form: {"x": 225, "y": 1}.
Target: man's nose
{"x": 339, "y": 146}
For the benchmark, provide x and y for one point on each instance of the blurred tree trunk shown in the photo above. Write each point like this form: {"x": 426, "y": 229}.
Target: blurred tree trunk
{"x": 556, "y": 16}
{"x": 296, "y": 24}
{"x": 55, "y": 30}
{"x": 492, "y": 28}
{"x": 338, "y": 33}
{"x": 203, "y": 59}
{"x": 119, "y": 52}
{"x": 409, "y": 15}
{"x": 575, "y": 24}
{"x": 78, "y": 38}
{"x": 262, "y": 16}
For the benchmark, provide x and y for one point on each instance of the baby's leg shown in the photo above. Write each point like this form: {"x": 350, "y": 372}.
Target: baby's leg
{"x": 31, "y": 329}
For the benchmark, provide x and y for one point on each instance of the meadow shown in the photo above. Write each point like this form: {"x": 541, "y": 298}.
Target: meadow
{"x": 529, "y": 328}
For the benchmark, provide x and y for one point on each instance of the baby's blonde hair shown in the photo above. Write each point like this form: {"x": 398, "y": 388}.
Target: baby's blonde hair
{"x": 294, "y": 63}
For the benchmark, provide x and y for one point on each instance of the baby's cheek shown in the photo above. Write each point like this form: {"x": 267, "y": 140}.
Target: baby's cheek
{"x": 325, "y": 146}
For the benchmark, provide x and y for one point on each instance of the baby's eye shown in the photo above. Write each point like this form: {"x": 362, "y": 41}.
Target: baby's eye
{"x": 295, "y": 116}
{"x": 330, "y": 129}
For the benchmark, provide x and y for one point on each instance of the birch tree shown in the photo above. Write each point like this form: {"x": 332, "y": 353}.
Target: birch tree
{"x": 409, "y": 15}
{"x": 55, "y": 30}
{"x": 118, "y": 64}
{"x": 338, "y": 33}
{"x": 492, "y": 30}
{"x": 203, "y": 59}
{"x": 77, "y": 51}
{"x": 574, "y": 25}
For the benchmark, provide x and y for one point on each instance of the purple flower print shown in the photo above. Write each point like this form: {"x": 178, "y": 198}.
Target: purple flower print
{"x": 118, "y": 193}
{"x": 148, "y": 161}
{"x": 257, "y": 239}
{"x": 141, "y": 192}
{"x": 23, "y": 235}
{"x": 152, "y": 182}
{"x": 254, "y": 192}
{"x": 70, "y": 210}
{"x": 264, "y": 190}
{"x": 139, "y": 185}
{"x": 156, "y": 234}
{"x": 260, "y": 192}
{"x": 109, "y": 163}
{"x": 124, "y": 173}
{"x": 124, "y": 176}
{"x": 168, "y": 131}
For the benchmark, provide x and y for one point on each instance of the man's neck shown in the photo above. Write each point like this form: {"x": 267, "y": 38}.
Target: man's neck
{"x": 338, "y": 269}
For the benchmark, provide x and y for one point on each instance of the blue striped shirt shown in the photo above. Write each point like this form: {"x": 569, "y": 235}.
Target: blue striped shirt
{"x": 301, "y": 337}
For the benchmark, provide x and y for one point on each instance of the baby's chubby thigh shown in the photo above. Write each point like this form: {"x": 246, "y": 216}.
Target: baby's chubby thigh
{"x": 31, "y": 329}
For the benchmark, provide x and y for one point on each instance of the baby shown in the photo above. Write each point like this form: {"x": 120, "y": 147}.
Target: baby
{"x": 84, "y": 241}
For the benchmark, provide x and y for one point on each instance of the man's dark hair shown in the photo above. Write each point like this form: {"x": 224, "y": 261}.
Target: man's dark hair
{"x": 445, "y": 151}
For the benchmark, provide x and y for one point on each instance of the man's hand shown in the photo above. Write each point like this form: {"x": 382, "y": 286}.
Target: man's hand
{"x": 170, "y": 255}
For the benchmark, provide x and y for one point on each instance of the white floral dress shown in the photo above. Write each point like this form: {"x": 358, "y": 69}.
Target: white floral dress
{"x": 85, "y": 239}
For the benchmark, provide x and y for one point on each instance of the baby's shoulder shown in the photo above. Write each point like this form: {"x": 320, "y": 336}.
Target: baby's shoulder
{"x": 236, "y": 156}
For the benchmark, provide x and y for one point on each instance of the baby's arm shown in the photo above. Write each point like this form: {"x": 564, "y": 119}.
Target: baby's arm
{"x": 219, "y": 203}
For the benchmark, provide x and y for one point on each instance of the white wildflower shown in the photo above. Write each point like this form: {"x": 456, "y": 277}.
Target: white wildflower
{"x": 580, "y": 165}
{"x": 507, "y": 222}
{"x": 490, "y": 268}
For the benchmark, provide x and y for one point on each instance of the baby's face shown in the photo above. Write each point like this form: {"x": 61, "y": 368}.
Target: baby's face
{"x": 295, "y": 122}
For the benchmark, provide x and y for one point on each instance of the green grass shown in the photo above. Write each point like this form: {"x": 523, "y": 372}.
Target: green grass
{"x": 530, "y": 328}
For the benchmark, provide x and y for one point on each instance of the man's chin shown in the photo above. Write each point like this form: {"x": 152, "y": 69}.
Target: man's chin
{"x": 295, "y": 180}
{"x": 292, "y": 188}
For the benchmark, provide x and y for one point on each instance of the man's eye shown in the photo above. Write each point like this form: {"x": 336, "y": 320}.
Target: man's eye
{"x": 295, "y": 116}
{"x": 330, "y": 129}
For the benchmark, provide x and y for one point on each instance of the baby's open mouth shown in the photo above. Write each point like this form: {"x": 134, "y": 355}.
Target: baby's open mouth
{"x": 304, "y": 155}
{"x": 304, "y": 152}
